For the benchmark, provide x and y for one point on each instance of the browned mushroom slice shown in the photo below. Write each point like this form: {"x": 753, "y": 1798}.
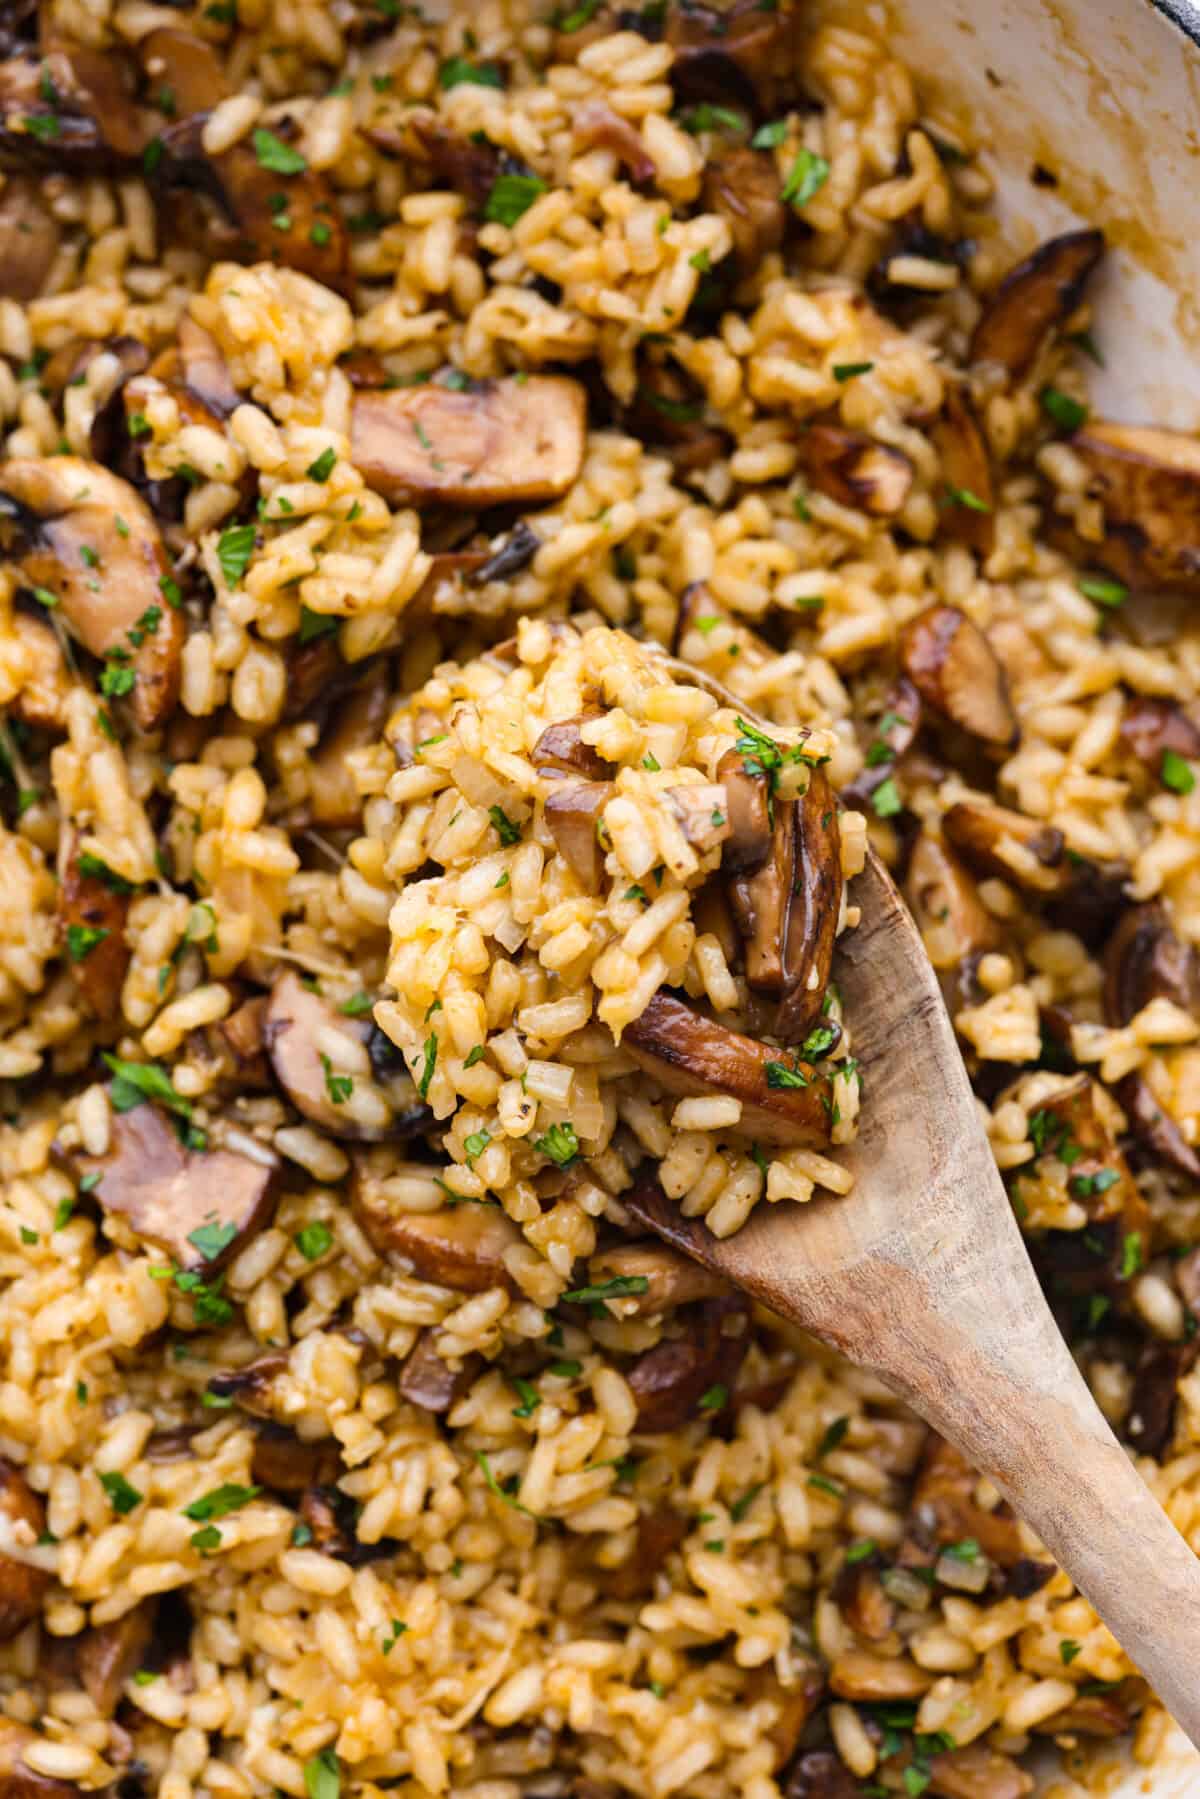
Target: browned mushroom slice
{"x": 462, "y": 1247}
{"x": 737, "y": 54}
{"x": 251, "y": 1386}
{"x": 499, "y": 443}
{"x": 954, "y": 668}
{"x": 312, "y": 668}
{"x": 560, "y": 750}
{"x": 43, "y": 696}
{"x": 334, "y": 799}
{"x": 967, "y": 497}
{"x": 91, "y": 917}
{"x": 1145, "y": 960}
{"x": 245, "y": 1031}
{"x": 95, "y": 128}
{"x": 1091, "y": 1715}
{"x": 855, "y": 470}
{"x": 670, "y": 1380}
{"x": 109, "y": 1654}
{"x": 977, "y": 1772}
{"x": 893, "y": 735}
{"x": 751, "y": 829}
{"x": 1099, "y": 1176}
{"x": 460, "y": 163}
{"x": 595, "y": 125}
{"x": 795, "y": 1701}
{"x": 1148, "y": 481}
{"x": 205, "y": 371}
{"x": 671, "y": 1279}
{"x": 303, "y": 1035}
{"x": 87, "y": 537}
{"x": 24, "y": 1518}
{"x": 202, "y": 1207}
{"x": 864, "y": 1604}
{"x": 956, "y": 926}
{"x": 29, "y": 239}
{"x": 1150, "y": 727}
{"x": 188, "y": 66}
{"x": 229, "y": 204}
{"x": 700, "y": 809}
{"x": 742, "y": 185}
{"x": 820, "y": 1774}
{"x": 689, "y": 1054}
{"x": 658, "y": 1533}
{"x": 574, "y": 813}
{"x": 944, "y": 1510}
{"x": 814, "y": 907}
{"x": 997, "y": 841}
{"x": 287, "y": 1463}
{"x": 1154, "y": 1127}
{"x": 17, "y": 1779}
{"x": 1151, "y": 1419}
{"x": 1034, "y": 297}
{"x": 430, "y": 1383}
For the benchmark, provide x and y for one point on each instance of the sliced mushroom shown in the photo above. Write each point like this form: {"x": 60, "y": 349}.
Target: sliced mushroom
{"x": 560, "y": 750}
{"x": 751, "y": 828}
{"x": 317, "y": 1055}
{"x": 944, "y": 1510}
{"x": 42, "y": 698}
{"x": 107, "y": 1655}
{"x": 429, "y": 1382}
{"x": 287, "y": 1463}
{"x": 172, "y": 1195}
{"x": 1091, "y": 1715}
{"x": 91, "y": 919}
{"x": 205, "y": 371}
{"x": 501, "y": 442}
{"x": 595, "y": 125}
{"x": 1145, "y": 960}
{"x": 795, "y": 1701}
{"x": 1150, "y": 727}
{"x": 462, "y": 1247}
{"x": 968, "y": 495}
{"x": 574, "y": 814}
{"x": 957, "y": 928}
{"x": 334, "y": 799}
{"x": 855, "y": 470}
{"x": 17, "y": 1779}
{"x": 468, "y": 167}
{"x": 997, "y": 841}
{"x": 658, "y": 1534}
{"x": 22, "y": 1521}
{"x": 29, "y": 239}
{"x": 689, "y": 1054}
{"x": 514, "y": 554}
{"x": 1034, "y": 297}
{"x": 1148, "y": 481}
{"x": 739, "y": 54}
{"x": 864, "y": 1604}
{"x": 1150, "y": 1424}
{"x": 955, "y": 670}
{"x": 671, "y": 1279}
{"x": 700, "y": 810}
{"x": 977, "y": 1772}
{"x": 742, "y": 186}
{"x": 668, "y": 411}
{"x": 1099, "y": 1176}
{"x": 186, "y": 64}
{"x": 820, "y": 1774}
{"x": 670, "y": 1380}
{"x": 814, "y": 908}
{"x": 84, "y": 535}
{"x": 245, "y": 1031}
{"x": 96, "y": 128}
{"x": 892, "y": 736}
{"x": 235, "y": 206}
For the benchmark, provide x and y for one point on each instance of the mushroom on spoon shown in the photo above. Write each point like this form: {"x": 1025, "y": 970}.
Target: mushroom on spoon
{"x": 920, "y": 1274}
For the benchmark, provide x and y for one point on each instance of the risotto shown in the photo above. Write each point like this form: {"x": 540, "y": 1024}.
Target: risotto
{"x": 494, "y": 511}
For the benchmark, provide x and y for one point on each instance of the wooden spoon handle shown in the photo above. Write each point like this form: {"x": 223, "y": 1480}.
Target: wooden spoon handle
{"x": 1053, "y": 1456}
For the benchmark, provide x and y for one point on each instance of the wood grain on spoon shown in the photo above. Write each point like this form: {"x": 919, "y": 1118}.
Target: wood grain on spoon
{"x": 921, "y": 1275}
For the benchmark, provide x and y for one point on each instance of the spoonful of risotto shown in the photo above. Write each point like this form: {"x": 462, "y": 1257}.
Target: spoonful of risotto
{"x": 918, "y": 1271}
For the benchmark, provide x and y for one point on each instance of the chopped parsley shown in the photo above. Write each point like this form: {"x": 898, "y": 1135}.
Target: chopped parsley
{"x": 834, "y": 1435}
{"x": 135, "y": 1082}
{"x": 621, "y": 1286}
{"x": 560, "y": 1144}
{"x": 356, "y": 1005}
{"x": 212, "y": 1239}
{"x": 1068, "y": 1649}
{"x": 715, "y": 1399}
{"x": 275, "y": 155}
{"x": 806, "y": 177}
{"x": 228, "y": 1497}
{"x": 780, "y": 1076}
{"x": 1131, "y": 1255}
{"x": 316, "y": 624}
{"x": 1177, "y": 772}
{"x": 82, "y": 939}
{"x": 428, "y": 1065}
{"x": 322, "y": 468}
{"x": 506, "y": 830}
{"x": 511, "y": 196}
{"x": 1103, "y": 590}
{"x": 234, "y": 549}
{"x": 858, "y": 1552}
{"x": 121, "y": 1496}
{"x": 474, "y": 1055}
{"x": 886, "y": 799}
{"x": 529, "y": 1396}
{"x": 458, "y": 70}
{"x": 769, "y": 135}
{"x": 339, "y": 1087}
{"x": 1062, "y": 410}
{"x": 962, "y": 496}
{"x": 846, "y": 371}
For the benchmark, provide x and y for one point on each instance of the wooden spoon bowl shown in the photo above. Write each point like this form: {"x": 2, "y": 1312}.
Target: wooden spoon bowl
{"x": 921, "y": 1275}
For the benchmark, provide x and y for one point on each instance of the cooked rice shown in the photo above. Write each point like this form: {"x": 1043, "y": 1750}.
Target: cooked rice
{"x": 346, "y": 1507}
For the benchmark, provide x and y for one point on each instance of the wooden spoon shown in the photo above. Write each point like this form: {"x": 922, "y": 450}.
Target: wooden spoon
{"x": 921, "y": 1275}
